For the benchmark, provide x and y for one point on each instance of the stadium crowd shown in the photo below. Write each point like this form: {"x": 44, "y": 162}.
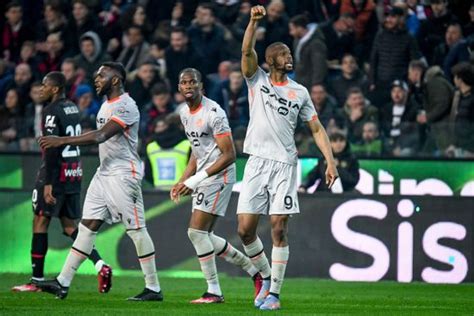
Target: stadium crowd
{"x": 393, "y": 77}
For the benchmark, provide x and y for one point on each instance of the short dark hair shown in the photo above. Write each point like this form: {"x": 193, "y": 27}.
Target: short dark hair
{"x": 117, "y": 67}
{"x": 179, "y": 29}
{"x": 465, "y": 72}
{"x": 300, "y": 20}
{"x": 335, "y": 136}
{"x": 418, "y": 64}
{"x": 71, "y": 61}
{"x": 159, "y": 88}
{"x": 36, "y": 84}
{"x": 13, "y": 4}
{"x": 208, "y": 6}
{"x": 191, "y": 70}
{"x": 160, "y": 43}
{"x": 135, "y": 26}
{"x": 354, "y": 90}
{"x": 57, "y": 79}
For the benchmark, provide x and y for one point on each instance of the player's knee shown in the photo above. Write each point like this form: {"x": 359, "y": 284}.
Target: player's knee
{"x": 196, "y": 235}
{"x": 92, "y": 224}
{"x": 279, "y": 235}
{"x": 246, "y": 235}
{"x": 41, "y": 224}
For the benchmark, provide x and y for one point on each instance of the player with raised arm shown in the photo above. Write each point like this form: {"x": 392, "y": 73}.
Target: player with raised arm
{"x": 269, "y": 182}
{"x": 58, "y": 183}
{"x": 209, "y": 175}
{"x": 114, "y": 194}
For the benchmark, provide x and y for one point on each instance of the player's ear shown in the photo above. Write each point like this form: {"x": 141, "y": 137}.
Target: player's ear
{"x": 115, "y": 81}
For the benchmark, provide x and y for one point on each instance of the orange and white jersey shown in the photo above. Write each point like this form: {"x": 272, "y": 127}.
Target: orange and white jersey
{"x": 274, "y": 110}
{"x": 118, "y": 155}
{"x": 202, "y": 127}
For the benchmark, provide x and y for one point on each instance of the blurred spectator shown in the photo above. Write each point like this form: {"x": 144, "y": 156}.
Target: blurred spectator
{"x": 207, "y": 39}
{"x": 52, "y": 59}
{"x": 398, "y": 120}
{"x": 241, "y": 22}
{"x": 356, "y": 112}
{"x": 214, "y": 80}
{"x": 452, "y": 37}
{"x": 74, "y": 77}
{"x": 87, "y": 104}
{"x": 160, "y": 106}
{"x": 14, "y": 32}
{"x": 325, "y": 106}
{"x": 136, "y": 14}
{"x": 371, "y": 144}
{"x": 273, "y": 27}
{"x": 91, "y": 56}
{"x": 136, "y": 49}
{"x": 232, "y": 95}
{"x": 178, "y": 55}
{"x": 83, "y": 20}
{"x": 167, "y": 155}
{"x": 462, "y": 113}
{"x": 432, "y": 30}
{"x": 460, "y": 52}
{"x": 437, "y": 97}
{"x": 414, "y": 12}
{"x": 6, "y": 77}
{"x": 351, "y": 76}
{"x": 54, "y": 21}
{"x": 146, "y": 77}
{"x": 33, "y": 119}
{"x": 392, "y": 51}
{"x": 319, "y": 10}
{"x": 164, "y": 27}
{"x": 469, "y": 27}
{"x": 227, "y": 10}
{"x": 339, "y": 37}
{"x": 10, "y": 121}
{"x": 157, "y": 54}
{"x": 310, "y": 52}
{"x": 365, "y": 26}
{"x": 28, "y": 55}
{"x": 346, "y": 163}
{"x": 22, "y": 81}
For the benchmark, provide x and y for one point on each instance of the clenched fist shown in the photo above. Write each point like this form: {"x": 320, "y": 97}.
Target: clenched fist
{"x": 257, "y": 12}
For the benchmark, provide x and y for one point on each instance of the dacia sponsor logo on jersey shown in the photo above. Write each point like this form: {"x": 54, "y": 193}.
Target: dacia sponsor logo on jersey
{"x": 196, "y": 134}
{"x": 285, "y": 105}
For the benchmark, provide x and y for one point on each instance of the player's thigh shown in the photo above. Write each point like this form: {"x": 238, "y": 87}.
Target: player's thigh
{"x": 212, "y": 199}
{"x": 95, "y": 206}
{"x": 283, "y": 190}
{"x": 41, "y": 208}
{"x": 71, "y": 207}
{"x": 125, "y": 200}
{"x": 253, "y": 197}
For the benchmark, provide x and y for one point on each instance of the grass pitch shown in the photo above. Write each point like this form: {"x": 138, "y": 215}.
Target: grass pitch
{"x": 299, "y": 297}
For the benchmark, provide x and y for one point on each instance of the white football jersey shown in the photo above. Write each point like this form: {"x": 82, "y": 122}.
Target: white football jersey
{"x": 274, "y": 110}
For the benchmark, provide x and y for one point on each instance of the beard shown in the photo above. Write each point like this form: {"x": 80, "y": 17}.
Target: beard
{"x": 105, "y": 89}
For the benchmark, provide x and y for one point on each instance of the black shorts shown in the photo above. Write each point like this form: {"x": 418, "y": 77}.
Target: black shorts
{"x": 67, "y": 204}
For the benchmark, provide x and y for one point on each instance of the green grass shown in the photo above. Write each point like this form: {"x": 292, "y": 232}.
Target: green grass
{"x": 300, "y": 297}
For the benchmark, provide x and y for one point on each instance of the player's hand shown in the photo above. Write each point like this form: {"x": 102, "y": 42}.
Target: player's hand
{"x": 49, "y": 142}
{"x": 178, "y": 190}
{"x": 331, "y": 174}
{"x": 257, "y": 13}
{"x": 48, "y": 195}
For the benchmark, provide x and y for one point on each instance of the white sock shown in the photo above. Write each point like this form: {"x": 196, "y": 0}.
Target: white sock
{"x": 146, "y": 255}
{"x": 80, "y": 251}
{"x": 99, "y": 264}
{"x": 225, "y": 250}
{"x": 280, "y": 257}
{"x": 207, "y": 258}
{"x": 257, "y": 256}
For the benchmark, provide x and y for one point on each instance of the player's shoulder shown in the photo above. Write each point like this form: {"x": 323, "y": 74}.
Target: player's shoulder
{"x": 212, "y": 107}
{"x": 259, "y": 74}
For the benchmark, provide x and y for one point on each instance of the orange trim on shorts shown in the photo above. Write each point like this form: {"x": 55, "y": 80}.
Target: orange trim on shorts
{"x": 215, "y": 202}
{"x": 222, "y": 135}
{"x": 225, "y": 176}
{"x": 134, "y": 171}
{"x": 77, "y": 253}
{"x": 136, "y": 216}
{"x": 119, "y": 121}
{"x": 282, "y": 262}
